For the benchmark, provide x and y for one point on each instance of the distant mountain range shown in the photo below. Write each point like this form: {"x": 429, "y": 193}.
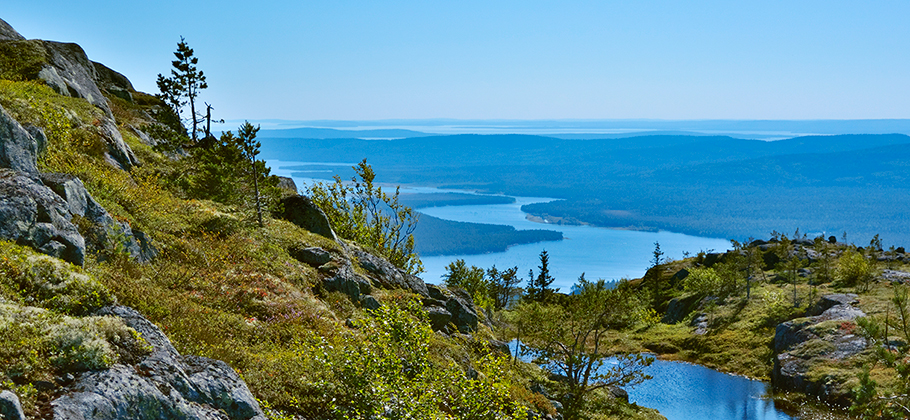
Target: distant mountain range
{"x": 580, "y": 129}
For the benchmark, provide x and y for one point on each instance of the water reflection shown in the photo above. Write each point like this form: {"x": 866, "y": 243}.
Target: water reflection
{"x": 684, "y": 391}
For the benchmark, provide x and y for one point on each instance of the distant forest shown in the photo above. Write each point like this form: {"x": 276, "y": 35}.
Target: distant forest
{"x": 435, "y": 236}
{"x": 418, "y": 201}
{"x": 703, "y": 185}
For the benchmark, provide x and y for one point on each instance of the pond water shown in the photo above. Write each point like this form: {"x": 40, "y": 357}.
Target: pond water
{"x": 687, "y": 391}
{"x": 684, "y": 391}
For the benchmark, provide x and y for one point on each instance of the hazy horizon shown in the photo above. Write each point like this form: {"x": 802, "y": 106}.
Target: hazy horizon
{"x": 506, "y": 60}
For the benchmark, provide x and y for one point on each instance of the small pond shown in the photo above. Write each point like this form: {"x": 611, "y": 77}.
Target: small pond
{"x": 685, "y": 391}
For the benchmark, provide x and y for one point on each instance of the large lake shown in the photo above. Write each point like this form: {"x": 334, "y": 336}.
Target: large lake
{"x": 600, "y": 253}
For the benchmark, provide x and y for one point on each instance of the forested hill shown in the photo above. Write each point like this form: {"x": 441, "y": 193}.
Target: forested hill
{"x": 707, "y": 185}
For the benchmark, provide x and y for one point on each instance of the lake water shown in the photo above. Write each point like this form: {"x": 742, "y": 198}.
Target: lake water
{"x": 600, "y": 253}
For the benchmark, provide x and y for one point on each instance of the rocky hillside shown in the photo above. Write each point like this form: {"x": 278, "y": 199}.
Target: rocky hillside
{"x": 820, "y": 317}
{"x": 124, "y": 296}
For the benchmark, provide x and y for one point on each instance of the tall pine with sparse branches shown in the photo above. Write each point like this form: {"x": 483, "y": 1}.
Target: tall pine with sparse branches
{"x": 183, "y": 86}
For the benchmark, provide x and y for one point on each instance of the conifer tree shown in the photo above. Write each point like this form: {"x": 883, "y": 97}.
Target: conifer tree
{"x": 184, "y": 85}
{"x": 249, "y": 149}
{"x": 539, "y": 287}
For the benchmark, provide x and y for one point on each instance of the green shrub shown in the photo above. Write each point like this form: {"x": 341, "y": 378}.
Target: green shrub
{"x": 363, "y": 213}
{"x": 854, "y": 269}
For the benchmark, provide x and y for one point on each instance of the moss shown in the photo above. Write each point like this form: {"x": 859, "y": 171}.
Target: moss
{"x": 813, "y": 348}
{"x": 41, "y": 280}
{"x": 36, "y": 344}
{"x": 22, "y": 60}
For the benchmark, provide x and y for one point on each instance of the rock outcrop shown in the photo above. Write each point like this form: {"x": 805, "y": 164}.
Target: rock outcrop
{"x": 67, "y": 69}
{"x": 162, "y": 385}
{"x": 451, "y": 306}
{"x": 287, "y": 184}
{"x": 7, "y": 33}
{"x": 301, "y": 211}
{"x": 102, "y": 232}
{"x": 18, "y": 147}
{"x": 32, "y": 215}
{"x": 113, "y": 82}
{"x": 387, "y": 275}
{"x": 804, "y": 346}
{"x": 337, "y": 273}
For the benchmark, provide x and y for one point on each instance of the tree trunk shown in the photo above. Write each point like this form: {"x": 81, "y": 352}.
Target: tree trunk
{"x": 256, "y": 191}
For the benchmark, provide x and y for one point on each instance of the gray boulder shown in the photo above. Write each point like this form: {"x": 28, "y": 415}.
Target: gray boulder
{"x": 679, "y": 308}
{"x": 118, "y": 153}
{"x": 439, "y": 317}
{"x": 459, "y": 304}
{"x": 370, "y": 302}
{"x": 313, "y": 256}
{"x": 897, "y": 277}
{"x": 10, "y": 408}
{"x": 344, "y": 279}
{"x": 829, "y": 301}
{"x": 301, "y": 211}
{"x": 18, "y": 147}
{"x": 219, "y": 386}
{"x": 163, "y": 385}
{"x": 104, "y": 233}
{"x": 33, "y": 215}
{"x": 7, "y": 33}
{"x": 387, "y": 275}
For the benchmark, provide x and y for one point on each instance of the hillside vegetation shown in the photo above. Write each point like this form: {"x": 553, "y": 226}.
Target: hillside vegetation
{"x": 167, "y": 261}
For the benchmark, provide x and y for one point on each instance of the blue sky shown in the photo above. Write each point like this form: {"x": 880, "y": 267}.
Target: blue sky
{"x": 364, "y": 60}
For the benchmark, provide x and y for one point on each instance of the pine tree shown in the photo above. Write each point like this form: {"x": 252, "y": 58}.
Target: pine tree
{"x": 539, "y": 287}
{"x": 249, "y": 149}
{"x": 184, "y": 85}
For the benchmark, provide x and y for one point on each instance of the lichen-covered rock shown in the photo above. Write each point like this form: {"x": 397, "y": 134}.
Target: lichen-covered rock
{"x": 33, "y": 215}
{"x": 301, "y": 211}
{"x": 164, "y": 385}
{"x": 829, "y": 301}
{"x": 805, "y": 344}
{"x": 387, "y": 275}
{"x": 287, "y": 184}
{"x": 103, "y": 232}
{"x": 10, "y": 408}
{"x": 220, "y": 387}
{"x": 18, "y": 148}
